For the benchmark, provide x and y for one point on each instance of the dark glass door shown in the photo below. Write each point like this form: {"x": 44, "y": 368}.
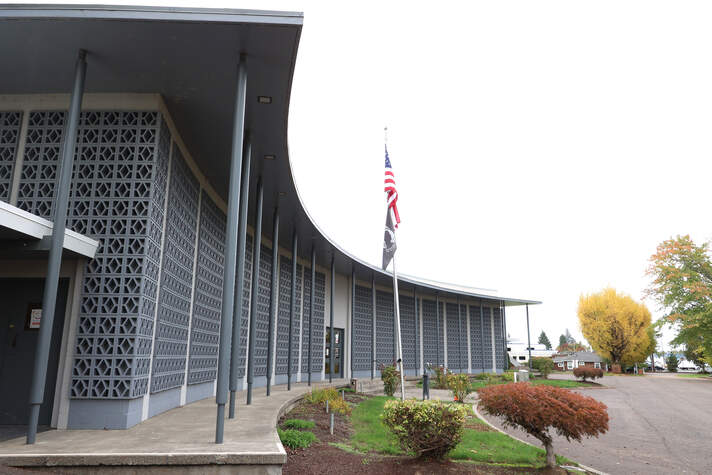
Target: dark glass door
{"x": 338, "y": 352}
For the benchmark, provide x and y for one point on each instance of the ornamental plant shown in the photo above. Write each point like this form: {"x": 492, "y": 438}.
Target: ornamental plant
{"x": 390, "y": 377}
{"x": 441, "y": 377}
{"x": 429, "y": 428}
{"x": 540, "y": 409}
{"x": 544, "y": 365}
{"x": 460, "y": 386}
{"x": 587, "y": 372}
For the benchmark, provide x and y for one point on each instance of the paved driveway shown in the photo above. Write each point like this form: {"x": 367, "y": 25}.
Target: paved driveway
{"x": 659, "y": 424}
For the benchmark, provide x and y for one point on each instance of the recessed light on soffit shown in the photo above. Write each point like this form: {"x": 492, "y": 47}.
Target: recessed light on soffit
{"x": 264, "y": 99}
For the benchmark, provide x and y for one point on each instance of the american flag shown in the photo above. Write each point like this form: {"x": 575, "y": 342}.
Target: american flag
{"x": 390, "y": 189}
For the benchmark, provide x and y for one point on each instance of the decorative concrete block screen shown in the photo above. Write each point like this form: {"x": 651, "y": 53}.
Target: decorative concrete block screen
{"x": 454, "y": 346}
{"x": 363, "y": 329}
{"x": 305, "y": 323}
{"x": 298, "y": 320}
{"x": 264, "y": 294}
{"x": 318, "y": 322}
{"x": 487, "y": 331}
{"x": 285, "y": 297}
{"x": 246, "y": 292}
{"x": 117, "y": 197}
{"x": 498, "y": 338}
{"x": 207, "y": 300}
{"x": 432, "y": 341}
{"x": 9, "y": 137}
{"x": 174, "y": 302}
{"x": 385, "y": 348}
{"x": 476, "y": 338}
{"x": 409, "y": 332}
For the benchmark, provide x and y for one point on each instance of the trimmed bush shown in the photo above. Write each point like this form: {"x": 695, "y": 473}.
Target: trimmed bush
{"x": 390, "y": 377}
{"x": 539, "y": 409}
{"x": 507, "y": 376}
{"x": 429, "y": 428}
{"x": 298, "y": 424}
{"x": 544, "y": 365}
{"x": 481, "y": 376}
{"x": 460, "y": 386}
{"x": 587, "y": 372}
{"x": 296, "y": 439}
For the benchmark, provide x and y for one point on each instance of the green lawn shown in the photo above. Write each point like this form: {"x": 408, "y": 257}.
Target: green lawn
{"x": 478, "y": 443}
{"x": 559, "y": 383}
{"x": 694, "y": 375}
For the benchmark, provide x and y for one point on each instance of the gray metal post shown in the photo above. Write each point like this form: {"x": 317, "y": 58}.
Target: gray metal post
{"x": 504, "y": 332}
{"x": 255, "y": 291}
{"x": 459, "y": 336}
{"x": 331, "y": 317}
{"x": 373, "y": 322}
{"x": 437, "y": 328}
{"x": 54, "y": 262}
{"x": 228, "y": 296}
{"x": 353, "y": 308}
{"x": 482, "y": 335}
{"x": 273, "y": 299}
{"x": 236, "y": 346}
{"x": 529, "y": 342}
{"x": 311, "y": 313}
{"x": 292, "y": 309}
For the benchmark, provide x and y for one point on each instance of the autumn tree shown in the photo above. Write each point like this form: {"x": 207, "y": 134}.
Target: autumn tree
{"x": 544, "y": 340}
{"x": 681, "y": 273}
{"x": 616, "y": 326}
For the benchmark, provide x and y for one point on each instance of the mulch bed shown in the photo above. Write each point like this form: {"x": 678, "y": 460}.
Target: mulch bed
{"x": 322, "y": 458}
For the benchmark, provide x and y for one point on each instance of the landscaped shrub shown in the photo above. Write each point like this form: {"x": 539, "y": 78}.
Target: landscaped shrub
{"x": 298, "y": 424}
{"x": 544, "y": 365}
{"x": 481, "y": 376}
{"x": 587, "y": 372}
{"x": 460, "y": 386}
{"x": 390, "y": 377}
{"x": 340, "y": 406}
{"x": 336, "y": 404}
{"x": 507, "y": 376}
{"x": 296, "y": 439}
{"x": 539, "y": 409}
{"x": 429, "y": 428}
{"x": 441, "y": 377}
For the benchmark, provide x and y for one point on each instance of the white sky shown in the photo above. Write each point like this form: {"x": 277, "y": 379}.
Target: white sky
{"x": 540, "y": 148}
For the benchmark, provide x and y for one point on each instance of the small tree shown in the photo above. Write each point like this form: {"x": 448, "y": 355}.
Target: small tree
{"x": 460, "y": 386}
{"x": 442, "y": 376}
{"x": 586, "y": 372}
{"x": 539, "y": 409}
{"x": 544, "y": 365}
{"x": 390, "y": 377}
{"x": 544, "y": 340}
{"x": 672, "y": 361}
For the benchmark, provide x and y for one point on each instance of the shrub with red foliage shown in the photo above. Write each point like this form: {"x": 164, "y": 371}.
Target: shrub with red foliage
{"x": 587, "y": 372}
{"x": 538, "y": 409}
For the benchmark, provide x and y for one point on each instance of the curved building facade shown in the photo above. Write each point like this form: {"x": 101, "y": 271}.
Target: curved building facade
{"x": 184, "y": 225}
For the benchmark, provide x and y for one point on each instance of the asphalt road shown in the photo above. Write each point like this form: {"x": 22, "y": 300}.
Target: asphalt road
{"x": 659, "y": 424}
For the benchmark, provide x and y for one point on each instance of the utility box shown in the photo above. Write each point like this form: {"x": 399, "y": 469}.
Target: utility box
{"x": 523, "y": 376}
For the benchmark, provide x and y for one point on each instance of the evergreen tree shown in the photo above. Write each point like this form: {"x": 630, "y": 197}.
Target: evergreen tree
{"x": 562, "y": 341}
{"x": 544, "y": 340}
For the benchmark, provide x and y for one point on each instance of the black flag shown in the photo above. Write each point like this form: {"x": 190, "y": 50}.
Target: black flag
{"x": 389, "y": 240}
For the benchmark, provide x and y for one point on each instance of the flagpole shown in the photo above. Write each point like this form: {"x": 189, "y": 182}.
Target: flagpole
{"x": 398, "y": 326}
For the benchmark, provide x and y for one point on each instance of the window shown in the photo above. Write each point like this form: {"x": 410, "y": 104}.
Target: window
{"x": 570, "y": 364}
{"x": 522, "y": 358}
{"x": 596, "y": 365}
{"x": 561, "y": 365}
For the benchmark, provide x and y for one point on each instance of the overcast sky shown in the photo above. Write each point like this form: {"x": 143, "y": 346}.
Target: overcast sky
{"x": 542, "y": 149}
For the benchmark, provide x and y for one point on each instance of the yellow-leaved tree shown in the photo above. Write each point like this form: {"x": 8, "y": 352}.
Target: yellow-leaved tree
{"x": 617, "y": 327}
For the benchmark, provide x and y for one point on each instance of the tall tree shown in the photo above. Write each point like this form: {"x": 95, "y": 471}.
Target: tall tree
{"x": 616, "y": 326}
{"x": 544, "y": 340}
{"x": 562, "y": 341}
{"x": 569, "y": 339}
{"x": 681, "y": 273}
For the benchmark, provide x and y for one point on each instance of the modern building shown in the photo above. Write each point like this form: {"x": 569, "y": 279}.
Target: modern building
{"x": 519, "y": 351}
{"x": 180, "y": 182}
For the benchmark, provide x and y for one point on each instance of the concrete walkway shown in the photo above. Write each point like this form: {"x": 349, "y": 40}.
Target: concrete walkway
{"x": 180, "y": 437}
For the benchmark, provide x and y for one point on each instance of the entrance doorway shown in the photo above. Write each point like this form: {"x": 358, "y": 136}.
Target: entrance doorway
{"x": 338, "y": 352}
{"x": 20, "y": 318}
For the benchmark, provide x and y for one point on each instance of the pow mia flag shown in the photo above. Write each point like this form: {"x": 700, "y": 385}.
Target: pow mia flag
{"x": 389, "y": 240}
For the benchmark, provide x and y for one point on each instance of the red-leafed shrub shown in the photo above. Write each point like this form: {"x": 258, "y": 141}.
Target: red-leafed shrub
{"x": 587, "y": 372}
{"x": 538, "y": 409}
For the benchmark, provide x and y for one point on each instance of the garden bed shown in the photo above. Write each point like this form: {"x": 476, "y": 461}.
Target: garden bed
{"x": 361, "y": 443}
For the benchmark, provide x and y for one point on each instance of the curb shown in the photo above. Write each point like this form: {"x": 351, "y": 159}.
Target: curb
{"x": 477, "y": 413}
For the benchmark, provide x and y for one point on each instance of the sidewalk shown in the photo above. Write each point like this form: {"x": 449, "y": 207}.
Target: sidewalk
{"x": 183, "y": 436}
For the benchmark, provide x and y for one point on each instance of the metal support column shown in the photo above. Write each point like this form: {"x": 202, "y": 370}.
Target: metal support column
{"x": 504, "y": 332}
{"x": 331, "y": 317}
{"x": 255, "y": 290}
{"x": 311, "y": 313}
{"x": 273, "y": 299}
{"x": 49, "y": 296}
{"x": 237, "y": 310}
{"x": 529, "y": 341}
{"x": 353, "y": 310}
{"x": 231, "y": 238}
{"x": 437, "y": 328}
{"x": 373, "y": 325}
{"x": 482, "y": 335}
{"x": 292, "y": 309}
{"x": 459, "y": 335}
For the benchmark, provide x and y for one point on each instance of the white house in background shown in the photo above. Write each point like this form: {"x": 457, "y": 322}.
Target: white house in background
{"x": 575, "y": 359}
{"x": 518, "y": 351}
{"x": 686, "y": 366}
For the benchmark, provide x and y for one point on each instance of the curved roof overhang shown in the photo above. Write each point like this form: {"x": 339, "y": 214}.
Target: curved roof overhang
{"x": 189, "y": 56}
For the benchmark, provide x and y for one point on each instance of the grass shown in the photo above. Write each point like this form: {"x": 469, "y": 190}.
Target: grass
{"x": 479, "y": 443}
{"x": 559, "y": 383}
{"x": 694, "y": 375}
{"x": 298, "y": 424}
{"x": 296, "y": 439}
